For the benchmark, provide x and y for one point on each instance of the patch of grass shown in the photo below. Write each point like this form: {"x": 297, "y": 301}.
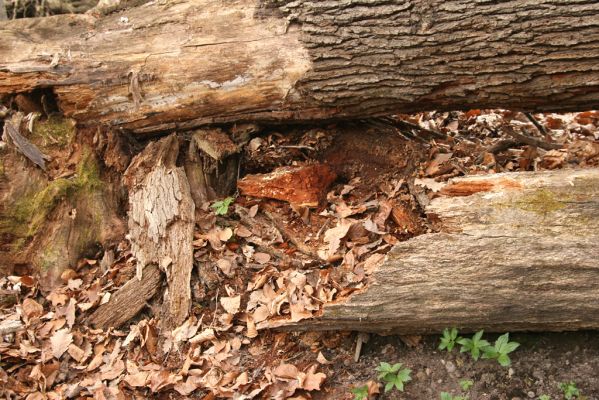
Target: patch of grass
{"x": 449, "y": 396}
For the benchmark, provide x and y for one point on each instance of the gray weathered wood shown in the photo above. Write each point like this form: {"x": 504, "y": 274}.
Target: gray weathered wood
{"x": 161, "y": 222}
{"x": 195, "y": 62}
{"x": 515, "y": 252}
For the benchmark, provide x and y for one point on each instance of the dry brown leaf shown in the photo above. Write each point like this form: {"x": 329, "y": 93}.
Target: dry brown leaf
{"x": 231, "y": 304}
{"x": 32, "y": 309}
{"x": 204, "y": 336}
{"x": 76, "y": 352}
{"x": 225, "y": 266}
{"x": 322, "y": 359}
{"x": 286, "y": 371}
{"x": 243, "y": 232}
{"x": 251, "y": 332}
{"x": 261, "y": 258}
{"x": 334, "y": 236}
{"x": 313, "y": 379}
{"x": 137, "y": 379}
{"x": 60, "y": 341}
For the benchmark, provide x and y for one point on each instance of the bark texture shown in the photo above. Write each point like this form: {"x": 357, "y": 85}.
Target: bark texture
{"x": 175, "y": 65}
{"x": 515, "y": 252}
{"x": 161, "y": 221}
{"x": 128, "y": 301}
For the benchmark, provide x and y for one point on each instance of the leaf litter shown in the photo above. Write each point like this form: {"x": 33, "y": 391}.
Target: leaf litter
{"x": 266, "y": 262}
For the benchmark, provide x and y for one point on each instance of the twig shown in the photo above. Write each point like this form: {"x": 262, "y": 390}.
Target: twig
{"x": 530, "y": 140}
{"x": 536, "y": 123}
{"x": 429, "y": 132}
{"x": 301, "y": 247}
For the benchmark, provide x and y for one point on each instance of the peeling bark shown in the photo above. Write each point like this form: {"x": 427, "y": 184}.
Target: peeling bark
{"x": 161, "y": 221}
{"x": 517, "y": 252}
{"x": 183, "y": 65}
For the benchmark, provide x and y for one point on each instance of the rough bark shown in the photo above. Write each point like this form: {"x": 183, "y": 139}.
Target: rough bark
{"x": 183, "y": 65}
{"x": 128, "y": 301}
{"x": 514, "y": 252}
{"x": 161, "y": 222}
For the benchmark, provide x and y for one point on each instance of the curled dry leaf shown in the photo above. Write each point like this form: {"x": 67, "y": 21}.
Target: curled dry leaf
{"x": 32, "y": 309}
{"x": 204, "y": 336}
{"x": 322, "y": 359}
{"x": 334, "y": 236}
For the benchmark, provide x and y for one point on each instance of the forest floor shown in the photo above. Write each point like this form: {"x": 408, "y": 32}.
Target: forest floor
{"x": 279, "y": 255}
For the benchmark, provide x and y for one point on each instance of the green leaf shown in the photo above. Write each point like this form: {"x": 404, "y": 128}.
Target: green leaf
{"x": 448, "y": 340}
{"x": 360, "y": 393}
{"x": 446, "y": 396}
{"x": 221, "y": 207}
{"x": 388, "y": 386}
{"x": 466, "y": 384}
{"x": 504, "y": 360}
{"x": 544, "y": 397}
{"x": 570, "y": 390}
{"x": 393, "y": 376}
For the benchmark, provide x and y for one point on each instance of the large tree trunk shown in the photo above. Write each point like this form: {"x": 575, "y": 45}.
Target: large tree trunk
{"x": 172, "y": 65}
{"x": 515, "y": 252}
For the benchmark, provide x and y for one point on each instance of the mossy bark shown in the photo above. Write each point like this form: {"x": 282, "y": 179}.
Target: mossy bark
{"x": 50, "y": 219}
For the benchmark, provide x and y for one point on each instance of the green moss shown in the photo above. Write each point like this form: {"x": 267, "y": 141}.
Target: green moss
{"x": 542, "y": 202}
{"x": 55, "y": 131}
{"x": 30, "y": 212}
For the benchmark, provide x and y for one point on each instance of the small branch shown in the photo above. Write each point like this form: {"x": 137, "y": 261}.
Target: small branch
{"x": 530, "y": 140}
{"x": 536, "y": 123}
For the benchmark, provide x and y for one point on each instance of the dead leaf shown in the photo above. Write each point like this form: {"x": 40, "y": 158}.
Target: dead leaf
{"x": 261, "y": 258}
{"x": 32, "y": 309}
{"x": 60, "y": 341}
{"x": 231, "y": 304}
{"x": 313, "y": 379}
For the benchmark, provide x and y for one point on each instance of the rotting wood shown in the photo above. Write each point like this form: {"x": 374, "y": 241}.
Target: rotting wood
{"x": 519, "y": 253}
{"x": 211, "y": 165}
{"x": 290, "y": 60}
{"x": 128, "y": 301}
{"x": 161, "y": 222}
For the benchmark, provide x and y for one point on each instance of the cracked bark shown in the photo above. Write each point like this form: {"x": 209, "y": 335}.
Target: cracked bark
{"x": 161, "y": 222}
{"x": 306, "y": 60}
{"x": 515, "y": 252}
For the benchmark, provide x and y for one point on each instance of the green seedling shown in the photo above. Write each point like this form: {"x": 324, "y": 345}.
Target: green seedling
{"x": 544, "y": 397}
{"x": 448, "y": 339}
{"x": 500, "y": 351}
{"x": 360, "y": 393}
{"x": 221, "y": 207}
{"x": 474, "y": 346}
{"x": 448, "y": 396}
{"x": 393, "y": 376}
{"x": 466, "y": 384}
{"x": 569, "y": 390}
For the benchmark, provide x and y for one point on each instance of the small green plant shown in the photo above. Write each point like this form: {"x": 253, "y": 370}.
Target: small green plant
{"x": 221, "y": 207}
{"x": 474, "y": 346}
{"x": 544, "y": 397}
{"x": 393, "y": 375}
{"x": 448, "y": 396}
{"x": 466, "y": 384}
{"x": 500, "y": 351}
{"x": 360, "y": 392}
{"x": 448, "y": 339}
{"x": 569, "y": 389}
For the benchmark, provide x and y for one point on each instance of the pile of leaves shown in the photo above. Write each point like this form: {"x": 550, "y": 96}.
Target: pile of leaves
{"x": 260, "y": 263}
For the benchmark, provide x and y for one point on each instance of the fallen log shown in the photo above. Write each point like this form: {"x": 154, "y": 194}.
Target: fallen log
{"x": 175, "y": 65}
{"x": 514, "y": 252}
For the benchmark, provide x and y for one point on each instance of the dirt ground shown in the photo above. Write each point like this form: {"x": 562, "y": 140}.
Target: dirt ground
{"x": 539, "y": 365}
